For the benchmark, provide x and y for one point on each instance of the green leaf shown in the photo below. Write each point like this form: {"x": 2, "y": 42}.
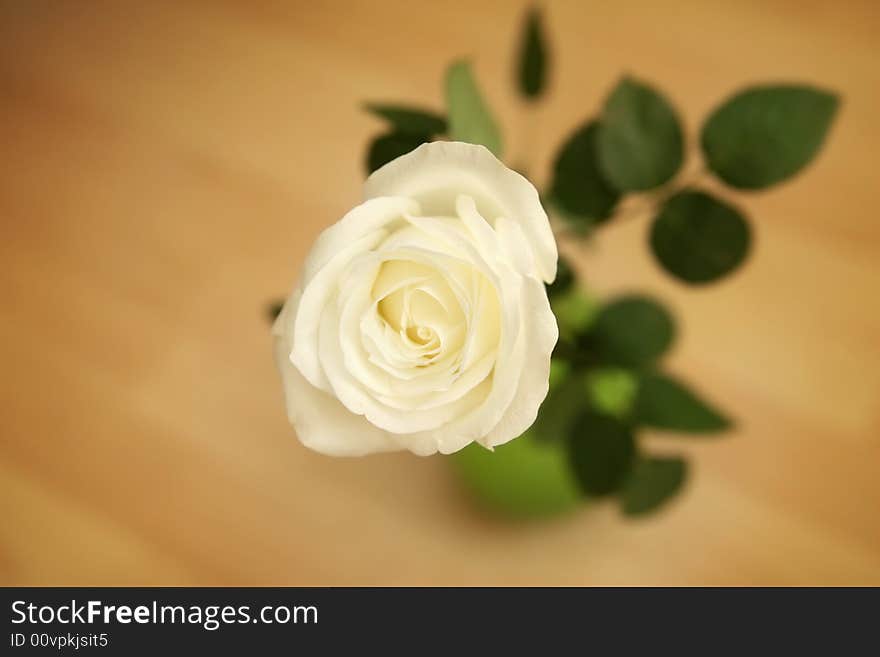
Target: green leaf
{"x": 766, "y": 134}
{"x": 559, "y": 371}
{"x": 390, "y": 146}
{"x": 410, "y": 120}
{"x": 640, "y": 141}
{"x": 612, "y": 390}
{"x": 664, "y": 403}
{"x": 698, "y": 238}
{"x": 632, "y": 331}
{"x": 574, "y": 311}
{"x": 652, "y": 482}
{"x": 560, "y": 409}
{"x": 532, "y": 57}
{"x": 602, "y": 451}
{"x": 564, "y": 280}
{"x": 469, "y": 118}
{"x": 579, "y": 187}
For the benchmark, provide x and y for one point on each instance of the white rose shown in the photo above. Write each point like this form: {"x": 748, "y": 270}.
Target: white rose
{"x": 421, "y": 321}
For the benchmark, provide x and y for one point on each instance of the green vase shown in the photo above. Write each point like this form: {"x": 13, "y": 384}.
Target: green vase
{"x": 525, "y": 478}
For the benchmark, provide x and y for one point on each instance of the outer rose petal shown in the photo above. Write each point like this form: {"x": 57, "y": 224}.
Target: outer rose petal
{"x": 435, "y": 174}
{"x": 542, "y": 332}
{"x": 321, "y": 422}
{"x": 356, "y": 232}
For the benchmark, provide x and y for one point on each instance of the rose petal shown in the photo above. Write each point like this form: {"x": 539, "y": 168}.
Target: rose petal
{"x": 541, "y": 333}
{"x": 436, "y": 173}
{"x": 321, "y": 422}
{"x": 359, "y": 231}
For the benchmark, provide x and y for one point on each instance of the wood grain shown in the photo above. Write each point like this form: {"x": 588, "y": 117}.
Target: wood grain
{"x": 166, "y": 167}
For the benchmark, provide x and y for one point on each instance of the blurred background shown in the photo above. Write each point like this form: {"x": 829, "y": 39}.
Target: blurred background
{"x": 167, "y": 166}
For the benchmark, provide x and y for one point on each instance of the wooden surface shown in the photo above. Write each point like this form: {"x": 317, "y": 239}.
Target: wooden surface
{"x": 166, "y": 166}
